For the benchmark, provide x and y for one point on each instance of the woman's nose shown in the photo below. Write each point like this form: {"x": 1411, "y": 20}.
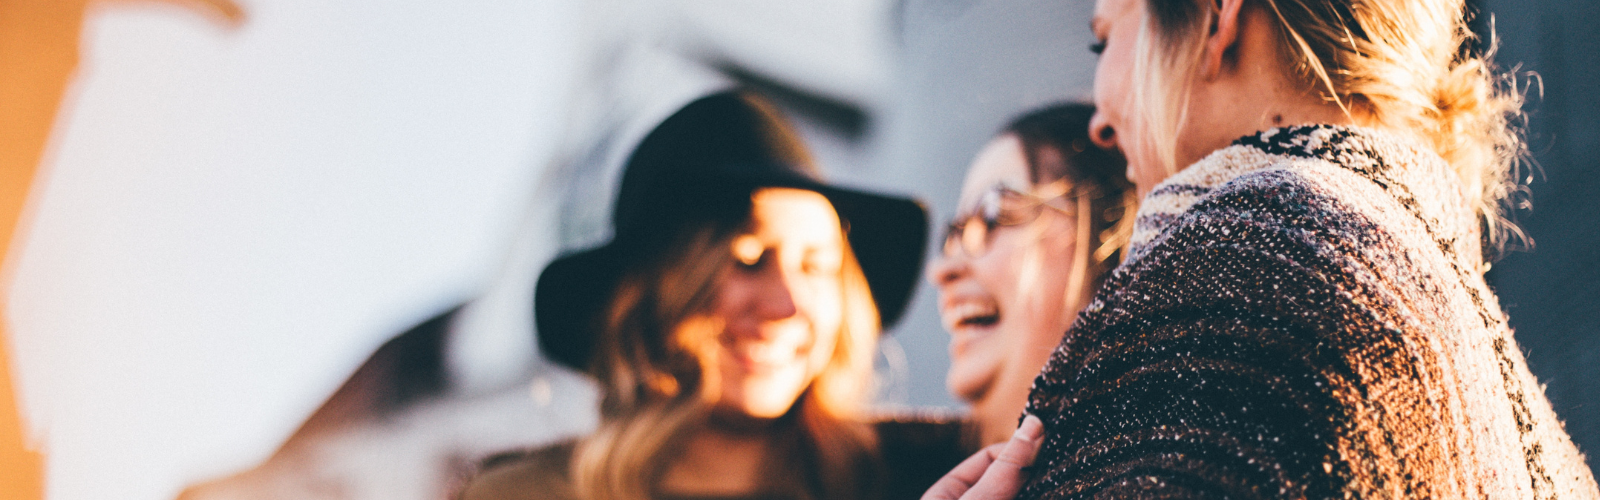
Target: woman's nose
{"x": 1101, "y": 132}
{"x": 776, "y": 300}
{"x": 946, "y": 268}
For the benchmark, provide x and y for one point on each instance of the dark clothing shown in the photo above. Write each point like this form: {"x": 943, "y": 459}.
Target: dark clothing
{"x": 1302, "y": 315}
{"x": 915, "y": 452}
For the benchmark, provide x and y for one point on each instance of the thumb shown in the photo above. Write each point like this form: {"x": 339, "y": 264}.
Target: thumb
{"x": 1004, "y": 477}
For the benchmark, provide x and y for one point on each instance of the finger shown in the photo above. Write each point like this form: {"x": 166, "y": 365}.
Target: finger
{"x": 1024, "y": 443}
{"x": 960, "y": 479}
{"x": 1004, "y": 477}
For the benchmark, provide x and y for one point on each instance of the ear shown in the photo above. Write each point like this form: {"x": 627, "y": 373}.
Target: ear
{"x": 1223, "y": 36}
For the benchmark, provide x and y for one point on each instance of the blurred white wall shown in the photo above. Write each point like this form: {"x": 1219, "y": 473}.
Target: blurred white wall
{"x": 230, "y": 221}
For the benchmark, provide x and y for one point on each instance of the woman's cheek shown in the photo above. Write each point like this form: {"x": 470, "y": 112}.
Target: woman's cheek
{"x": 827, "y": 320}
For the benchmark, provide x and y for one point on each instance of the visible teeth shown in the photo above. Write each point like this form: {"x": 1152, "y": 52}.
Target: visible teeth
{"x": 764, "y": 352}
{"x": 757, "y": 351}
{"x": 960, "y": 314}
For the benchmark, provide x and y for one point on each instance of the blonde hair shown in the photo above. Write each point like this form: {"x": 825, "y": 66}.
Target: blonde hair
{"x": 651, "y": 362}
{"x": 1395, "y": 64}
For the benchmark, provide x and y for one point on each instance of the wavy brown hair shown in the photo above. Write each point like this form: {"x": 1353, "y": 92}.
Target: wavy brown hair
{"x": 651, "y": 362}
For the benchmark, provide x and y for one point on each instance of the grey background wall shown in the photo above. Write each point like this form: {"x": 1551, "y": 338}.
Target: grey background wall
{"x": 1553, "y": 292}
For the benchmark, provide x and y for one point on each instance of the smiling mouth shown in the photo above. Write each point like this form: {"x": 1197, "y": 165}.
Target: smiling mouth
{"x": 979, "y": 321}
{"x": 971, "y": 315}
{"x": 762, "y": 358}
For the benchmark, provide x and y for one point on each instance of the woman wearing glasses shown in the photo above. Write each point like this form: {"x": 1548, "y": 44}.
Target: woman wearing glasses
{"x": 1041, "y": 222}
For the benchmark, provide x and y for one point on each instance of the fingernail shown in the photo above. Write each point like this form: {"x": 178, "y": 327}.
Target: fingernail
{"x": 1030, "y": 429}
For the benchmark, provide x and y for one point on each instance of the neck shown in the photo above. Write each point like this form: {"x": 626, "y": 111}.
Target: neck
{"x": 1269, "y": 106}
{"x": 1251, "y": 91}
{"x": 995, "y": 416}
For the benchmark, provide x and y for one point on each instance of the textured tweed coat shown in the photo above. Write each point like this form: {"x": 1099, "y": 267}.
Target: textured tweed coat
{"x": 1302, "y": 315}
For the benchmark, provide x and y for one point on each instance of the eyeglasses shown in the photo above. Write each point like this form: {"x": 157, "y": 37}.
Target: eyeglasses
{"x": 1001, "y": 206}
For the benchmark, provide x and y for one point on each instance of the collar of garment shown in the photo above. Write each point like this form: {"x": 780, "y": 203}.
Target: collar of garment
{"x": 1416, "y": 177}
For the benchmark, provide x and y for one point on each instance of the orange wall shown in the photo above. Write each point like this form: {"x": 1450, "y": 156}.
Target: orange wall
{"x": 38, "y": 51}
{"x": 21, "y": 469}
{"x": 38, "y": 56}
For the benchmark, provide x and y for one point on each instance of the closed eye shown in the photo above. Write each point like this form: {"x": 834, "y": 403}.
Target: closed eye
{"x": 821, "y": 263}
{"x": 749, "y": 252}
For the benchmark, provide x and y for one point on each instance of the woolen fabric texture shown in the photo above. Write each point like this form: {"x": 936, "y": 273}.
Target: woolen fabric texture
{"x": 1302, "y": 315}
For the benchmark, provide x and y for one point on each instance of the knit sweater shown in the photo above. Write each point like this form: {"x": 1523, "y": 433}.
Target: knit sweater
{"x": 1302, "y": 315}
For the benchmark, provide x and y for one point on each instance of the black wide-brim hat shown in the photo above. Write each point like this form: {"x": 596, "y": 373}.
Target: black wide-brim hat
{"x": 702, "y": 164}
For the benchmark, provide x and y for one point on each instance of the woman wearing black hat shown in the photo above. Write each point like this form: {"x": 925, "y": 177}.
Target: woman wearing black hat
{"x": 731, "y": 324}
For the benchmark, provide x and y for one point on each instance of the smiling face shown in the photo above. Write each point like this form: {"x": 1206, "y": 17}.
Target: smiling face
{"x": 779, "y": 305}
{"x": 1006, "y": 308}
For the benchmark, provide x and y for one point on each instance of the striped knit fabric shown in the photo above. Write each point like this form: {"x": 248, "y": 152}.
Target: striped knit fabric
{"x": 1302, "y": 315}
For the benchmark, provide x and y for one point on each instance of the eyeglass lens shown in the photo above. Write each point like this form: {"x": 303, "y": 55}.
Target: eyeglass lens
{"x": 971, "y": 233}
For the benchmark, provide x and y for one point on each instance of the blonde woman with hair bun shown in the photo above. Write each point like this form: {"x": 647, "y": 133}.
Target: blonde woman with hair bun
{"x": 1302, "y": 312}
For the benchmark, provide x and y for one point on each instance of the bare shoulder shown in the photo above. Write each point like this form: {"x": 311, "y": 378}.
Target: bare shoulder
{"x": 537, "y": 474}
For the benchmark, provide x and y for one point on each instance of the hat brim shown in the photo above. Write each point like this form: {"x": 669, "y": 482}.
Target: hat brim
{"x": 888, "y": 235}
